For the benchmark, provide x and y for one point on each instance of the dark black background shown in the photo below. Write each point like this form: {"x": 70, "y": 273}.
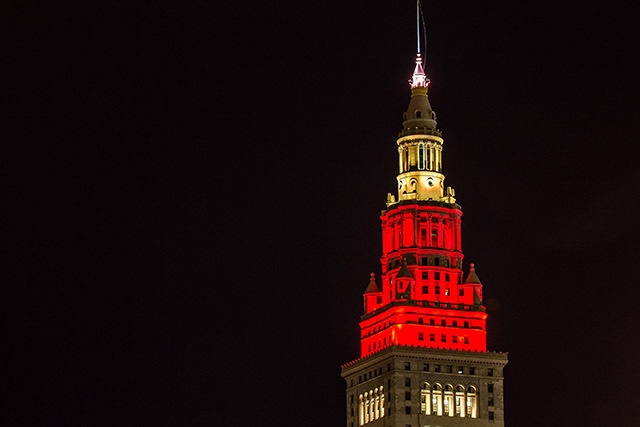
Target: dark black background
{"x": 193, "y": 195}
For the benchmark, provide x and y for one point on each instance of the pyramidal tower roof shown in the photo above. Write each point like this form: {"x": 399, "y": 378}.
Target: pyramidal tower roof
{"x": 404, "y": 271}
{"x": 472, "y": 277}
{"x": 419, "y": 78}
{"x": 372, "y": 286}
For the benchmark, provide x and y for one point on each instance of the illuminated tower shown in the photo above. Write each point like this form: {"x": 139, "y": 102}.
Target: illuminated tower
{"x": 423, "y": 358}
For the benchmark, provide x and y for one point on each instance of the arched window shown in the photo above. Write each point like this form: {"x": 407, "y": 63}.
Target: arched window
{"x": 371, "y": 405}
{"x": 472, "y": 402}
{"x": 377, "y": 406}
{"x": 460, "y": 401}
{"x": 418, "y": 114}
{"x": 425, "y": 399}
{"x": 406, "y": 160}
{"x": 436, "y": 399}
{"x": 447, "y": 406}
{"x": 366, "y": 407}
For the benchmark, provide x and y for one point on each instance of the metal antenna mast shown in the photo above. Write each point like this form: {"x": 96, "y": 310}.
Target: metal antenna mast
{"x": 419, "y": 17}
{"x": 418, "y": 23}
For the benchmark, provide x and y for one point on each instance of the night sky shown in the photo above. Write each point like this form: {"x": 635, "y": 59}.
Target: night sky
{"x": 193, "y": 196}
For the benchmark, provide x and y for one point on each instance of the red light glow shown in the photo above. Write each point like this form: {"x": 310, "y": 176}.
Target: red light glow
{"x": 422, "y": 299}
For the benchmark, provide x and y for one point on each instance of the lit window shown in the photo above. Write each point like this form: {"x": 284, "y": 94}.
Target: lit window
{"x": 447, "y": 408}
{"x": 371, "y": 406}
{"x": 460, "y": 402}
{"x": 436, "y": 399}
{"x": 472, "y": 409}
{"x": 425, "y": 399}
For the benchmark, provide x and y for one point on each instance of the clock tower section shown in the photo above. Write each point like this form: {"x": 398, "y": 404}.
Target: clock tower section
{"x": 423, "y": 357}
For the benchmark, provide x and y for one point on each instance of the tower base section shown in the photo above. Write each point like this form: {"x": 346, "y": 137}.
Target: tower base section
{"x": 419, "y": 387}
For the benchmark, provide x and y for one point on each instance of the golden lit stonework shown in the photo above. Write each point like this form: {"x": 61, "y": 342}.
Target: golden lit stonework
{"x": 420, "y": 175}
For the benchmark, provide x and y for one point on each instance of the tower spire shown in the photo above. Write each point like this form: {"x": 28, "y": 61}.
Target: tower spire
{"x": 419, "y": 78}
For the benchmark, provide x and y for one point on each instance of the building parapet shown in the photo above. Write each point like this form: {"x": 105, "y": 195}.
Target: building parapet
{"x": 419, "y": 131}
{"x": 420, "y": 351}
{"x": 427, "y": 304}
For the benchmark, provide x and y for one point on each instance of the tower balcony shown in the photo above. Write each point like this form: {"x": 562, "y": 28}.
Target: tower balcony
{"x": 419, "y": 131}
{"x": 426, "y": 304}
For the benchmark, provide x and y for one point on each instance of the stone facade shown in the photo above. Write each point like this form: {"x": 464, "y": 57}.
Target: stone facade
{"x": 401, "y": 373}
